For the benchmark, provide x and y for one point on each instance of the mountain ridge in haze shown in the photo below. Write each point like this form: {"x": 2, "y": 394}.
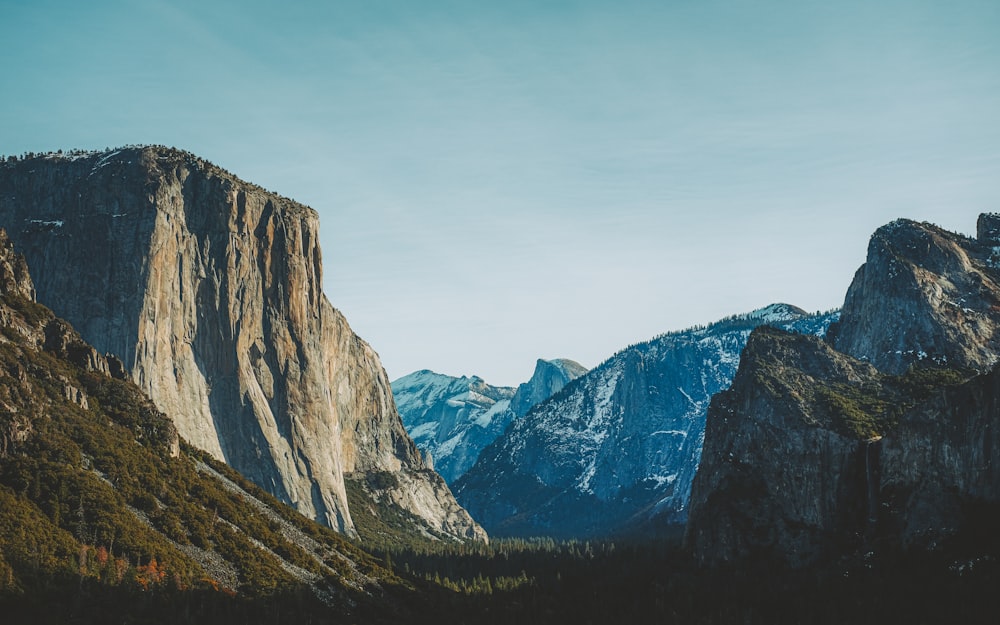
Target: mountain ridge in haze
{"x": 453, "y": 419}
{"x": 616, "y": 449}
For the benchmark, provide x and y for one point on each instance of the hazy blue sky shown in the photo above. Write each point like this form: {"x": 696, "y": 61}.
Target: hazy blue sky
{"x": 502, "y": 181}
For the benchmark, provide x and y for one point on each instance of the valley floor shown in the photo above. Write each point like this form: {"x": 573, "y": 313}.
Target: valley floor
{"x": 524, "y": 582}
{"x": 544, "y": 582}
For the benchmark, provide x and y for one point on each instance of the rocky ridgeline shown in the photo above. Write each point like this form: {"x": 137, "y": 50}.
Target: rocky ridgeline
{"x": 617, "y": 448}
{"x": 924, "y": 294}
{"x": 453, "y": 419}
{"x": 209, "y": 289}
{"x": 887, "y": 434}
{"x": 549, "y": 377}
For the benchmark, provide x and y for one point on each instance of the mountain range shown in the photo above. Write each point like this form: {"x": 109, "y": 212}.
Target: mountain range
{"x": 193, "y": 433}
{"x": 616, "y": 449}
{"x": 453, "y": 419}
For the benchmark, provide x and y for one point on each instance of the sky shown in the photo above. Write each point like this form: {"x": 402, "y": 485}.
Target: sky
{"x": 504, "y": 181}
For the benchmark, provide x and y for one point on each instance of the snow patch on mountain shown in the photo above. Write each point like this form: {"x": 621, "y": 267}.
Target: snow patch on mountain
{"x": 453, "y": 419}
{"x": 621, "y": 443}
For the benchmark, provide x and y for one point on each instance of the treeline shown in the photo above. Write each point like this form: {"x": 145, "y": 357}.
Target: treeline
{"x": 103, "y": 519}
{"x": 192, "y": 160}
{"x": 543, "y": 581}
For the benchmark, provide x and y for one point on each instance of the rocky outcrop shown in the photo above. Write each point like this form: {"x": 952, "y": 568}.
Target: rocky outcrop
{"x": 988, "y": 229}
{"x": 21, "y": 313}
{"x": 814, "y": 453}
{"x": 780, "y": 473}
{"x": 454, "y": 419}
{"x": 618, "y": 447}
{"x": 549, "y": 378}
{"x": 14, "y": 277}
{"x": 17, "y": 294}
{"x": 924, "y": 294}
{"x": 209, "y": 289}
{"x": 419, "y": 495}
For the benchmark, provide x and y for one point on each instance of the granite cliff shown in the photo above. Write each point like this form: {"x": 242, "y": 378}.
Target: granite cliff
{"x": 549, "y": 377}
{"x": 209, "y": 289}
{"x": 98, "y": 495}
{"x": 925, "y": 294}
{"x": 884, "y": 436}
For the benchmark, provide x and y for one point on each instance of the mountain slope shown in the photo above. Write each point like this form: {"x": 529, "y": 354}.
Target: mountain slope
{"x": 814, "y": 453}
{"x": 617, "y": 447}
{"x": 453, "y": 419}
{"x": 209, "y": 290}
{"x": 100, "y": 498}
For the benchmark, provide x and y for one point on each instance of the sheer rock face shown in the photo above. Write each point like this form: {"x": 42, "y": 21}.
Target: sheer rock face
{"x": 786, "y": 474}
{"x": 25, "y": 323}
{"x": 14, "y": 277}
{"x": 209, "y": 288}
{"x": 944, "y": 456}
{"x": 549, "y": 378}
{"x": 924, "y": 294}
{"x": 777, "y": 476}
{"x": 815, "y": 452}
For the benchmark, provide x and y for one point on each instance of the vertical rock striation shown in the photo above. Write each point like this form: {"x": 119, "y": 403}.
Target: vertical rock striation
{"x": 209, "y": 289}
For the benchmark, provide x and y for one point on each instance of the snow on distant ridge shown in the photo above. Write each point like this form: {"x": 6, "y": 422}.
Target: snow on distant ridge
{"x": 622, "y": 443}
{"x": 451, "y": 418}
{"x": 776, "y": 313}
{"x": 454, "y": 419}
